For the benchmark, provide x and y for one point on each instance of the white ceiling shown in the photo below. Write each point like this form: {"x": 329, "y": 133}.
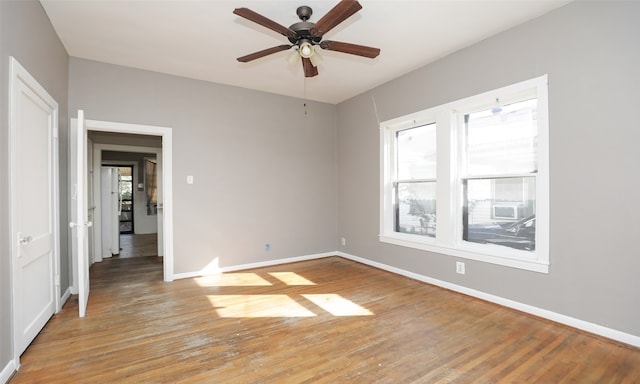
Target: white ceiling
{"x": 201, "y": 39}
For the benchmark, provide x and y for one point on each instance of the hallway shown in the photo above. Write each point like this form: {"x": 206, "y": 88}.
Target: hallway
{"x": 132, "y": 245}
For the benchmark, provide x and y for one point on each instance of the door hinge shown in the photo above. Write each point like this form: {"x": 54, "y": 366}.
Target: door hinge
{"x": 55, "y": 132}
{"x": 57, "y": 280}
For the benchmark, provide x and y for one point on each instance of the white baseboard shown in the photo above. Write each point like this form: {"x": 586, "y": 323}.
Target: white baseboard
{"x": 553, "y": 316}
{"x": 215, "y": 270}
{"x": 7, "y": 371}
{"x": 65, "y": 296}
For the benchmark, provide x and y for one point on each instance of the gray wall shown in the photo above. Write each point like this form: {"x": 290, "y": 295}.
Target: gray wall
{"x": 264, "y": 172}
{"x": 27, "y": 35}
{"x": 591, "y": 52}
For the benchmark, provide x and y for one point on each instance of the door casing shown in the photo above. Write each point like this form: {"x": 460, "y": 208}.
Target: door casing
{"x": 164, "y": 156}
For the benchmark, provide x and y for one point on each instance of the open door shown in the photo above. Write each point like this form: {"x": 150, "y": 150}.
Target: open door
{"x": 79, "y": 210}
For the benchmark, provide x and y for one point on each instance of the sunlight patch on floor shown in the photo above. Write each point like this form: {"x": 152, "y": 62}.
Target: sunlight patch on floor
{"x": 232, "y": 280}
{"x": 337, "y": 305}
{"x": 291, "y": 278}
{"x": 258, "y": 306}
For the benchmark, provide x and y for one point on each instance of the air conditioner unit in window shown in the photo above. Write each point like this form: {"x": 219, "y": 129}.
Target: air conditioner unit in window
{"x": 506, "y": 211}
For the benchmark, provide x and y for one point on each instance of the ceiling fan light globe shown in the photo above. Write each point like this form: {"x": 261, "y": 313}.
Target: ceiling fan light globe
{"x": 316, "y": 58}
{"x": 294, "y": 57}
{"x": 306, "y": 50}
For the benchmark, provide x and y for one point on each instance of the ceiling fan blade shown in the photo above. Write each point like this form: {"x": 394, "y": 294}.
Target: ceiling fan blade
{"x": 265, "y": 22}
{"x": 310, "y": 70}
{"x": 342, "y": 11}
{"x": 353, "y": 49}
{"x": 264, "y": 52}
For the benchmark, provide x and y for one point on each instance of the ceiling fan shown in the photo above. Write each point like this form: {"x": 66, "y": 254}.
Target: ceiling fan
{"x": 306, "y": 36}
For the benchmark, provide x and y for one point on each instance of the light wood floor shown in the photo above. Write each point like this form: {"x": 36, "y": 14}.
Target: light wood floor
{"x": 322, "y": 321}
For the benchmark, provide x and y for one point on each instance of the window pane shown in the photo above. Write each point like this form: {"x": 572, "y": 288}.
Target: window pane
{"x": 503, "y": 139}
{"x": 126, "y": 187}
{"x": 416, "y": 208}
{"x": 500, "y": 212}
{"x": 416, "y": 151}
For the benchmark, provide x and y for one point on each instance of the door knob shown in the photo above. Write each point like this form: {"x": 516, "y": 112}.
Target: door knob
{"x": 87, "y": 224}
{"x": 25, "y": 239}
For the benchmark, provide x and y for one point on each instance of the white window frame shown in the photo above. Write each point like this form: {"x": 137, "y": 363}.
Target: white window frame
{"x": 448, "y": 238}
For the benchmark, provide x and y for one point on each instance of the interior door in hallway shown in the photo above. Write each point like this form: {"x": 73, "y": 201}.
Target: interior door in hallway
{"x": 79, "y": 210}
{"x": 34, "y": 115}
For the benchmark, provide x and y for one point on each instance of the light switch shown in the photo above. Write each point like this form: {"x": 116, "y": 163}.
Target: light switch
{"x": 189, "y": 179}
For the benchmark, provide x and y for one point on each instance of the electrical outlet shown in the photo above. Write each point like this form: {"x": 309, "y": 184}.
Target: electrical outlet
{"x": 460, "y": 267}
{"x": 343, "y": 241}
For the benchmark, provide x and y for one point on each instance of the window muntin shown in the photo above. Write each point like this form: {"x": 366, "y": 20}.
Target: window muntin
{"x": 492, "y": 172}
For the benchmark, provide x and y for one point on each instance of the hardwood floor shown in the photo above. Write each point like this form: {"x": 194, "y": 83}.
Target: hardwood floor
{"x": 138, "y": 245}
{"x": 330, "y": 320}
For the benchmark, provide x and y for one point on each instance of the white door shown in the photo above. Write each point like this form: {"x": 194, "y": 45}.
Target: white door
{"x": 79, "y": 210}
{"x": 160, "y": 199}
{"x": 110, "y": 217}
{"x": 34, "y": 228}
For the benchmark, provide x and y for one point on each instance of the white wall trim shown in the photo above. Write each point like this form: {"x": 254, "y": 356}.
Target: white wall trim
{"x": 65, "y": 296}
{"x": 600, "y": 330}
{"x": 233, "y": 268}
{"x": 7, "y": 371}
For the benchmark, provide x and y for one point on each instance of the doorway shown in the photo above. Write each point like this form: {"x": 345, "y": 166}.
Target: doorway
{"x": 163, "y": 155}
{"x": 136, "y": 202}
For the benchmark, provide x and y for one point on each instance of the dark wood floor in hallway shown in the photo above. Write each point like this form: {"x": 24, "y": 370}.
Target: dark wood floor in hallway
{"x": 329, "y": 320}
{"x": 135, "y": 245}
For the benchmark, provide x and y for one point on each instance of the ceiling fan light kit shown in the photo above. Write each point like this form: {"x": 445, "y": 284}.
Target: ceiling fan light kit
{"x": 306, "y": 36}
{"x": 306, "y": 49}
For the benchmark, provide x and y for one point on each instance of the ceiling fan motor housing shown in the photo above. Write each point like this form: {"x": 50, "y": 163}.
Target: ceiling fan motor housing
{"x": 303, "y": 28}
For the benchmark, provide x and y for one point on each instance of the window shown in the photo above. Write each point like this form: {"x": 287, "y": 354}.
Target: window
{"x": 470, "y": 178}
{"x": 414, "y": 185}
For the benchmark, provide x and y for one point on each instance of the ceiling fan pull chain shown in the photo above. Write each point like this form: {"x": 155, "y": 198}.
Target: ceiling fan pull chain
{"x": 304, "y": 86}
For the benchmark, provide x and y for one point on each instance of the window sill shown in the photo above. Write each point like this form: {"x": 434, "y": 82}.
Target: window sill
{"x": 528, "y": 264}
